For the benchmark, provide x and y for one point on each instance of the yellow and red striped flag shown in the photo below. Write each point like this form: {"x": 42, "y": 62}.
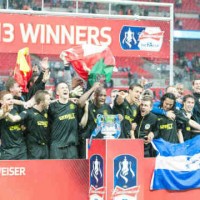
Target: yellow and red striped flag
{"x": 23, "y": 69}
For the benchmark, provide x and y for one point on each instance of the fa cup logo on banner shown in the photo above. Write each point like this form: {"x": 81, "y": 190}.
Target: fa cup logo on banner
{"x": 97, "y": 190}
{"x": 96, "y": 170}
{"x": 125, "y": 178}
{"x": 141, "y": 38}
{"x": 125, "y": 167}
{"x": 129, "y": 38}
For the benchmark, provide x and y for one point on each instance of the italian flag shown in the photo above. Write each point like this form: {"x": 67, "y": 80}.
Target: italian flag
{"x": 23, "y": 69}
{"x": 91, "y": 62}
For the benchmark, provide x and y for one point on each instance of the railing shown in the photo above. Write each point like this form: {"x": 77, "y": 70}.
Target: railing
{"x": 89, "y": 6}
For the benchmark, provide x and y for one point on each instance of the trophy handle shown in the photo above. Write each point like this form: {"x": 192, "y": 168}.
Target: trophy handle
{"x": 100, "y": 118}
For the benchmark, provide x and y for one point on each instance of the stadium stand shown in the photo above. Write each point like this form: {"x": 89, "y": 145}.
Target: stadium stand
{"x": 186, "y": 6}
{"x": 188, "y": 23}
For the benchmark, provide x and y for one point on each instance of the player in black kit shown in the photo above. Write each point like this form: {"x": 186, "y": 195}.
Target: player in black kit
{"x": 128, "y": 108}
{"x": 146, "y": 125}
{"x": 63, "y": 124}
{"x": 13, "y": 146}
{"x": 94, "y": 107}
{"x": 36, "y": 123}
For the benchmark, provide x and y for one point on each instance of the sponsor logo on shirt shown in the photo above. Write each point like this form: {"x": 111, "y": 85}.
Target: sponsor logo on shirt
{"x": 42, "y": 123}
{"x": 166, "y": 126}
{"x": 15, "y": 128}
{"x": 68, "y": 116}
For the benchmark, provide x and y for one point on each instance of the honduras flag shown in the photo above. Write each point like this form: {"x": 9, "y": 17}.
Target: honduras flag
{"x": 177, "y": 166}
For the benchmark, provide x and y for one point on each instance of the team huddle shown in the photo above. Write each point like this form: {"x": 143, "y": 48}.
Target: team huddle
{"x": 38, "y": 125}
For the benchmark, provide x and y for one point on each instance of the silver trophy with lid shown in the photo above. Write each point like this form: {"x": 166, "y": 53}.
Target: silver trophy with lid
{"x": 109, "y": 126}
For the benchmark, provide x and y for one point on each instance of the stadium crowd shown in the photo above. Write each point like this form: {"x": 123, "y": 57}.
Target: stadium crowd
{"x": 43, "y": 125}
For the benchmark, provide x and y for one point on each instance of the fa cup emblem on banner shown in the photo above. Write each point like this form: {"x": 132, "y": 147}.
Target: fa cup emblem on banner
{"x": 129, "y": 38}
{"x": 96, "y": 170}
{"x": 141, "y": 38}
{"x": 125, "y": 178}
{"x": 125, "y": 169}
{"x": 97, "y": 189}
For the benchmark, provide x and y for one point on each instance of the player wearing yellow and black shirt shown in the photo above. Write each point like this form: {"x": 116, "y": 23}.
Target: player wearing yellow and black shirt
{"x": 128, "y": 108}
{"x": 63, "y": 123}
{"x": 196, "y": 110}
{"x": 13, "y": 146}
{"x": 145, "y": 126}
{"x": 196, "y": 93}
{"x": 36, "y": 123}
{"x": 23, "y": 101}
{"x": 168, "y": 129}
{"x": 187, "y": 110}
{"x": 94, "y": 107}
{"x": 15, "y": 89}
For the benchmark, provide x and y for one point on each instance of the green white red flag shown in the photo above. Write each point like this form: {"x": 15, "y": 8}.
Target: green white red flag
{"x": 91, "y": 61}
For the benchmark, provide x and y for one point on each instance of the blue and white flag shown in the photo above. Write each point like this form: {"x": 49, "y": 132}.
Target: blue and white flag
{"x": 177, "y": 166}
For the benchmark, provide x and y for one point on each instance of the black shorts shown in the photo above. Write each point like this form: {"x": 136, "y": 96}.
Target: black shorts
{"x": 67, "y": 152}
{"x": 38, "y": 151}
{"x": 15, "y": 153}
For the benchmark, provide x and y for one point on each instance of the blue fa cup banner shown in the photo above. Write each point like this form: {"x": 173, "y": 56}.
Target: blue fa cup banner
{"x": 125, "y": 178}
